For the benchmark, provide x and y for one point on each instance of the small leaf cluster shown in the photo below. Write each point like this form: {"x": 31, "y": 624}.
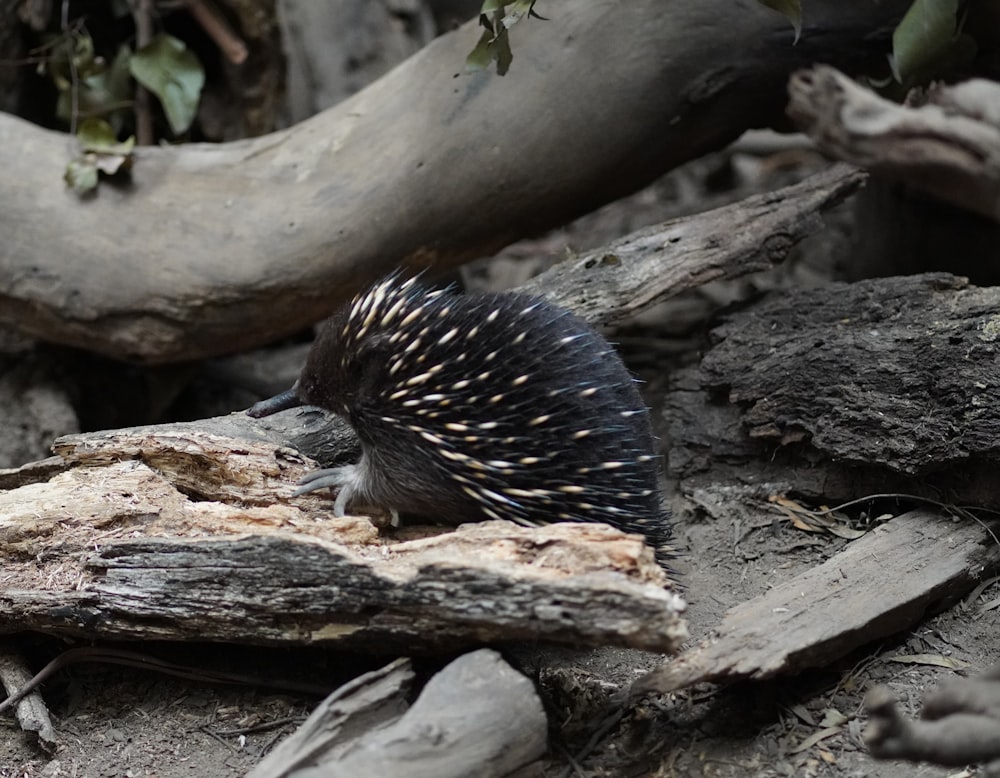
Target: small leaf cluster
{"x": 927, "y": 36}
{"x": 497, "y": 18}
{"x": 95, "y": 95}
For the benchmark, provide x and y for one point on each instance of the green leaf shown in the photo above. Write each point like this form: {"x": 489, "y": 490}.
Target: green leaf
{"x": 97, "y": 135}
{"x": 791, "y": 10}
{"x": 494, "y": 43}
{"x": 503, "y": 52}
{"x": 926, "y": 32}
{"x": 101, "y": 153}
{"x": 81, "y": 175}
{"x": 172, "y": 73}
{"x": 518, "y": 10}
{"x": 481, "y": 56}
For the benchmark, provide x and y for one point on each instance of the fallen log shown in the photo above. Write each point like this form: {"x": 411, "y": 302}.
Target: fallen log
{"x": 948, "y": 147}
{"x": 213, "y": 249}
{"x": 888, "y": 385}
{"x": 178, "y": 534}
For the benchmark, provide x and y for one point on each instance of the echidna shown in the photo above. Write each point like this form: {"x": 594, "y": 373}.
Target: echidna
{"x": 499, "y": 406}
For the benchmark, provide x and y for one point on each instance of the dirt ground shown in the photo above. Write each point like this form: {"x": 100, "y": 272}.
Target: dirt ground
{"x": 119, "y": 721}
{"x": 116, "y": 721}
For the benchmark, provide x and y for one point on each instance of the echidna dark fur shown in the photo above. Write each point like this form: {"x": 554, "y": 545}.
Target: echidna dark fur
{"x": 499, "y": 406}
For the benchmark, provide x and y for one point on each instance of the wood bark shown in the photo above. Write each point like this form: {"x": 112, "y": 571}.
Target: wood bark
{"x": 32, "y": 715}
{"x": 477, "y": 716}
{"x": 213, "y": 249}
{"x": 890, "y": 385}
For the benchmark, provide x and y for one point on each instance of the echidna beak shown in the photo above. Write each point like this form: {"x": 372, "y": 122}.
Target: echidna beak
{"x": 280, "y": 402}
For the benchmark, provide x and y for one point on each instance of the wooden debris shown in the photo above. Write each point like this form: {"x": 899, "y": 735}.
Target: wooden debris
{"x": 475, "y": 717}
{"x": 879, "y": 585}
{"x": 616, "y": 281}
{"x": 887, "y": 385}
{"x": 31, "y": 712}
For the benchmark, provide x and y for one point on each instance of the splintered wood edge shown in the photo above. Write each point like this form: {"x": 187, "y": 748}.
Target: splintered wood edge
{"x": 880, "y": 584}
{"x": 117, "y": 548}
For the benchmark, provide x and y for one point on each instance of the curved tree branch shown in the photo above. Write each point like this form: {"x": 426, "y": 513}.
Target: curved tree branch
{"x": 212, "y": 249}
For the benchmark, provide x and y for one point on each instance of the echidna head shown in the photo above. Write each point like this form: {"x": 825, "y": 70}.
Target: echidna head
{"x": 350, "y": 355}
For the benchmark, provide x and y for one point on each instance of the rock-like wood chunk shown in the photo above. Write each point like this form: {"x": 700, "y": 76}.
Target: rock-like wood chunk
{"x": 477, "y": 716}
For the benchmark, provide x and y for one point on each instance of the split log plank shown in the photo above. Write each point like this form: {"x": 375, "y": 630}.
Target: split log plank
{"x": 611, "y": 283}
{"x": 368, "y": 702}
{"x": 879, "y": 585}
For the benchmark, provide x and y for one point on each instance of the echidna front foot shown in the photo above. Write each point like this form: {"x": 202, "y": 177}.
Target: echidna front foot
{"x": 348, "y": 481}
{"x": 342, "y": 478}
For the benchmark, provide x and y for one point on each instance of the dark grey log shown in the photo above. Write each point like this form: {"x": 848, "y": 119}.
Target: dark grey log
{"x": 884, "y": 385}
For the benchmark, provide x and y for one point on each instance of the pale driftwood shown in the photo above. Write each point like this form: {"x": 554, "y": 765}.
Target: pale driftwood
{"x": 367, "y": 703}
{"x": 888, "y": 385}
{"x": 184, "y": 534}
{"x": 212, "y": 249}
{"x": 881, "y": 584}
{"x": 475, "y": 717}
{"x": 949, "y": 147}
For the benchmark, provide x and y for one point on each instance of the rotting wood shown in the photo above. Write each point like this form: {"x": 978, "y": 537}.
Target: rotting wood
{"x": 888, "y": 385}
{"x": 260, "y": 238}
{"x": 948, "y": 147}
{"x": 366, "y": 703}
{"x": 879, "y": 585}
{"x": 623, "y": 278}
{"x": 477, "y": 716}
{"x": 190, "y": 535}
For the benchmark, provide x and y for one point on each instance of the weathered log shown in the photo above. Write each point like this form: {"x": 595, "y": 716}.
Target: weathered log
{"x": 32, "y": 715}
{"x": 364, "y": 704}
{"x": 256, "y": 239}
{"x": 948, "y": 147}
{"x": 616, "y": 281}
{"x": 182, "y": 534}
{"x": 879, "y": 585}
